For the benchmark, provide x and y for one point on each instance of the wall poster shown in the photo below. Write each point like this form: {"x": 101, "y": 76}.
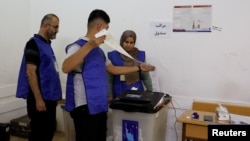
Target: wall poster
{"x": 192, "y": 18}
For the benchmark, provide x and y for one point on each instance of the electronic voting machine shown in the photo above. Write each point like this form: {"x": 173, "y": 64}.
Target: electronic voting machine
{"x": 140, "y": 101}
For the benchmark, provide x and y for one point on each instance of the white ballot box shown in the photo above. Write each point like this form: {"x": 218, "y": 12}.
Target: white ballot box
{"x": 139, "y": 126}
{"x": 139, "y": 116}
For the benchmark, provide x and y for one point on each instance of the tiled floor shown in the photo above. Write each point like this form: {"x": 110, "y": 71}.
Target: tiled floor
{"x": 59, "y": 136}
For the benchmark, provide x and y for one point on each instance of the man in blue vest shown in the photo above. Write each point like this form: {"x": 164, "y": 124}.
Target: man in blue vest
{"x": 87, "y": 82}
{"x": 39, "y": 81}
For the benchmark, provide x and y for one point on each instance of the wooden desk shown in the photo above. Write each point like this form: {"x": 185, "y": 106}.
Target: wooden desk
{"x": 238, "y": 109}
{"x": 196, "y": 129}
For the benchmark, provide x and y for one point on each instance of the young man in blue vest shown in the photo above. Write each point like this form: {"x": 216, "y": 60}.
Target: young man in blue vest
{"x": 39, "y": 81}
{"x": 87, "y": 82}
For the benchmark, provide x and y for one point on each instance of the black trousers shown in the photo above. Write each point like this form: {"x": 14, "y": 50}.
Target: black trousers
{"x": 42, "y": 124}
{"x": 89, "y": 127}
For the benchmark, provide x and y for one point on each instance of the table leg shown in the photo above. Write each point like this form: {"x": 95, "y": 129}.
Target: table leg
{"x": 183, "y": 131}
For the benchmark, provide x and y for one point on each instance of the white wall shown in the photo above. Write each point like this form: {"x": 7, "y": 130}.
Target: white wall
{"x": 190, "y": 65}
{"x": 15, "y": 23}
{"x": 208, "y": 66}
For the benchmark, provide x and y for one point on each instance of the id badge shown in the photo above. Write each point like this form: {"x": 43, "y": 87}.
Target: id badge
{"x": 122, "y": 77}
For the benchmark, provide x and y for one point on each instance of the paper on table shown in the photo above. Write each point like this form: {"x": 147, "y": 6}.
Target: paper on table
{"x": 110, "y": 41}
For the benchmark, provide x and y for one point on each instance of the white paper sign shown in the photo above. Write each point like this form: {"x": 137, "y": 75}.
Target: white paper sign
{"x": 160, "y": 29}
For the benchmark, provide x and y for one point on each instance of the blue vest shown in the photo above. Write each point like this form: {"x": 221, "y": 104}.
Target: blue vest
{"x": 118, "y": 85}
{"x": 95, "y": 80}
{"x": 50, "y": 85}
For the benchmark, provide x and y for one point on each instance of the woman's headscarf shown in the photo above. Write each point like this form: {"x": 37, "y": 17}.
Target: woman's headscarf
{"x": 131, "y": 77}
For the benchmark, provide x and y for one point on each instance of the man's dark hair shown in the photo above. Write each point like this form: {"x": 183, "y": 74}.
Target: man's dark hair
{"x": 98, "y": 14}
{"x": 48, "y": 18}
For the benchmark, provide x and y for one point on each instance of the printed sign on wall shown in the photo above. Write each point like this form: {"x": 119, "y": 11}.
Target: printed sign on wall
{"x": 192, "y": 18}
{"x": 160, "y": 29}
